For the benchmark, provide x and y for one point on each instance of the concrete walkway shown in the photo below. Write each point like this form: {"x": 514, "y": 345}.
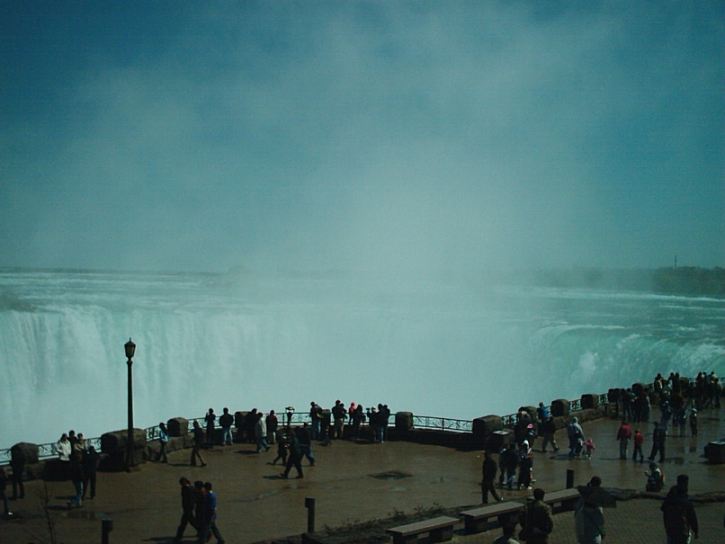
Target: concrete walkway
{"x": 359, "y": 482}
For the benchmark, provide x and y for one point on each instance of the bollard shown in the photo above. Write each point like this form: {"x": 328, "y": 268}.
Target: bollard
{"x": 310, "y": 505}
{"x": 106, "y": 527}
{"x": 569, "y": 478}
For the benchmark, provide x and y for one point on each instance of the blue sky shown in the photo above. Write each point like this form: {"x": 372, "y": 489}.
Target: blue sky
{"x": 361, "y": 135}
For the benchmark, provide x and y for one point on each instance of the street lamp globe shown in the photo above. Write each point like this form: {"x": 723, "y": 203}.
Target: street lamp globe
{"x": 130, "y": 348}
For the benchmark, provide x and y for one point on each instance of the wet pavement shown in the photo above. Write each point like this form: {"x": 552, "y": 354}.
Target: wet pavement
{"x": 356, "y": 482}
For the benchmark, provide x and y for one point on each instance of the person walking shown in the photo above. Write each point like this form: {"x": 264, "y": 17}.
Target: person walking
{"x": 198, "y": 444}
{"x": 208, "y": 525}
{"x": 678, "y": 513}
{"x": 536, "y": 520}
{"x": 187, "y": 508}
{"x": 659, "y": 435}
{"x": 576, "y": 437}
{"x": 260, "y": 433}
{"x": 548, "y": 428}
{"x": 488, "y": 477}
{"x": 638, "y": 443}
{"x": 294, "y": 457}
{"x": 282, "y": 447}
{"x": 90, "y": 468}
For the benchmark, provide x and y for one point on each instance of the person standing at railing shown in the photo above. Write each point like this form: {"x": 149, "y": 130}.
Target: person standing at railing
{"x": 3, "y": 486}
{"x": 64, "y": 448}
{"x": 358, "y": 418}
{"x": 210, "y": 418}
{"x": 226, "y": 420}
{"x": 163, "y": 440}
{"x": 339, "y": 414}
{"x": 316, "y": 418}
{"x": 272, "y": 424}
{"x": 384, "y": 414}
{"x": 17, "y": 463}
{"x": 260, "y": 433}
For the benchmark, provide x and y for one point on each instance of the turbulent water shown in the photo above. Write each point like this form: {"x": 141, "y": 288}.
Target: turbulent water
{"x": 457, "y": 350}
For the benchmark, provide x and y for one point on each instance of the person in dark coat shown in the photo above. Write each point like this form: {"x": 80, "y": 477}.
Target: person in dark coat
{"x": 90, "y": 467}
{"x": 210, "y": 419}
{"x": 488, "y": 477}
{"x": 3, "y": 485}
{"x": 536, "y": 520}
{"x": 678, "y": 513}
{"x": 294, "y": 458}
{"x": 282, "y": 448}
{"x": 198, "y": 444}
{"x": 659, "y": 435}
{"x": 187, "y": 508}
{"x": 226, "y": 420}
{"x": 208, "y": 526}
{"x": 17, "y": 463}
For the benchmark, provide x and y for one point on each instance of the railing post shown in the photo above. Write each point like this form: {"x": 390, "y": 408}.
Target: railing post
{"x": 569, "y": 478}
{"x": 310, "y": 505}
{"x": 106, "y": 528}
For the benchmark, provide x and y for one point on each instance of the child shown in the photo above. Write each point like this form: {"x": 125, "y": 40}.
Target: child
{"x": 655, "y": 478}
{"x": 589, "y": 447}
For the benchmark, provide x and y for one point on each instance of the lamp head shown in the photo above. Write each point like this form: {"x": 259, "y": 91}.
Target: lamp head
{"x": 130, "y": 348}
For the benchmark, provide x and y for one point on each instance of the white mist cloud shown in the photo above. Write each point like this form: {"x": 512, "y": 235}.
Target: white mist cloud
{"x": 389, "y": 136}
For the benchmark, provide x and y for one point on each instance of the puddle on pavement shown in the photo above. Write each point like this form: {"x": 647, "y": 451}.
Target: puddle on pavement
{"x": 79, "y": 513}
{"x": 391, "y": 475}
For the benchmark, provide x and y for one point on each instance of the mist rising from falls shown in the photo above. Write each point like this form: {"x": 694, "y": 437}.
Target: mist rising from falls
{"x": 435, "y": 348}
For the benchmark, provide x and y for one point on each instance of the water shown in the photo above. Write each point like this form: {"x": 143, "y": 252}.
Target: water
{"x": 457, "y": 350}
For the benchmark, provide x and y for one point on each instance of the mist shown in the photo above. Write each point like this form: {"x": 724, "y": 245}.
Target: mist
{"x": 407, "y": 138}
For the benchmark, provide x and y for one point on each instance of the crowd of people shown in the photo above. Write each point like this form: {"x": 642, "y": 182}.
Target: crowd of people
{"x": 79, "y": 463}
{"x": 677, "y": 400}
{"x": 198, "y": 510}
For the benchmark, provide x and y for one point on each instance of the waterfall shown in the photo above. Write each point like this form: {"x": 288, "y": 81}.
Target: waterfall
{"x": 205, "y": 341}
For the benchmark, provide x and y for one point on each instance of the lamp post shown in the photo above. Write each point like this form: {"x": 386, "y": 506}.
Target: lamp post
{"x": 130, "y": 348}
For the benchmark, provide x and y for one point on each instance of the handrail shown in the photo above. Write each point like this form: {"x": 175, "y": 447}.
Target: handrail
{"x": 49, "y": 451}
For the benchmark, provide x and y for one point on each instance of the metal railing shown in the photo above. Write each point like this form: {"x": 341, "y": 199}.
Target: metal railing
{"x": 49, "y": 450}
{"x": 443, "y": 424}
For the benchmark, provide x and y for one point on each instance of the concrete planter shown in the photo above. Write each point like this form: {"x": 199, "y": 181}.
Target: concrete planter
{"x": 560, "y": 408}
{"x": 114, "y": 447}
{"x": 177, "y": 426}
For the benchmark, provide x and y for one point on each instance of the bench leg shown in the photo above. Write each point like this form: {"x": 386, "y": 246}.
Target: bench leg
{"x": 473, "y": 525}
{"x": 404, "y": 539}
{"x": 442, "y": 534}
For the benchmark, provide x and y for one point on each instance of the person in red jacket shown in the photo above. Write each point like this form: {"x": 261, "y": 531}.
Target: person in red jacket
{"x": 624, "y": 434}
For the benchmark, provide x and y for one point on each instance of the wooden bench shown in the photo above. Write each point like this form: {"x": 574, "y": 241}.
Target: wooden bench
{"x": 438, "y": 529}
{"x": 476, "y": 520}
{"x": 566, "y": 498}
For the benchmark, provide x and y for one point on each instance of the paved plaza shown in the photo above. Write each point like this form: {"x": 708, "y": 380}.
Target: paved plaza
{"x": 357, "y": 482}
